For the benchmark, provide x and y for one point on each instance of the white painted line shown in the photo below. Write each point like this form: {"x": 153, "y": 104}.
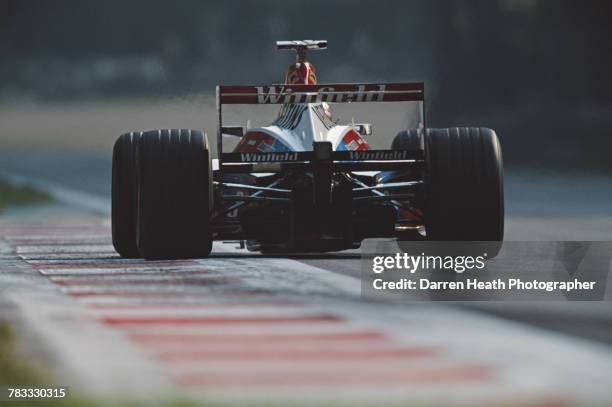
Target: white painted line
{"x": 144, "y": 272}
{"x": 78, "y": 248}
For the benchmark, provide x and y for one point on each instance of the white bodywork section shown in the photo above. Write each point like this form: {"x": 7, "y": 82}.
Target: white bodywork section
{"x": 299, "y": 125}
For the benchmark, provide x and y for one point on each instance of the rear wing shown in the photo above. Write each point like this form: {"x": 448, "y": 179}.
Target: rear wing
{"x": 330, "y": 93}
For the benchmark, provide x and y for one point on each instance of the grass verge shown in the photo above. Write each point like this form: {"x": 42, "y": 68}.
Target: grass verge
{"x": 16, "y": 195}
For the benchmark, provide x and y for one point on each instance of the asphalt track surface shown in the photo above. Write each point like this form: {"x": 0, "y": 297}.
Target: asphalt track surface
{"x": 243, "y": 325}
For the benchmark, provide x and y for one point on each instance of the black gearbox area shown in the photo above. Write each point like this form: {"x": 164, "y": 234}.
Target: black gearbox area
{"x": 316, "y": 223}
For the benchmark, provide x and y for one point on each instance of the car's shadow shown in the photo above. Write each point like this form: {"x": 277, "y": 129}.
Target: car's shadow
{"x": 291, "y": 256}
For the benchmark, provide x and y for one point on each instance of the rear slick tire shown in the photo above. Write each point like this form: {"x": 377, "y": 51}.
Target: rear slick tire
{"x": 410, "y": 139}
{"x": 464, "y": 191}
{"x": 124, "y": 211}
{"x": 175, "y": 186}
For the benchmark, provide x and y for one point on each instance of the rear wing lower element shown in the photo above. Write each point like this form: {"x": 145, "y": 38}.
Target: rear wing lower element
{"x": 369, "y": 160}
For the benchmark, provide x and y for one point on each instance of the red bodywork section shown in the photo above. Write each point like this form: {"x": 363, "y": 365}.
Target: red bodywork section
{"x": 354, "y": 142}
{"x": 257, "y": 141}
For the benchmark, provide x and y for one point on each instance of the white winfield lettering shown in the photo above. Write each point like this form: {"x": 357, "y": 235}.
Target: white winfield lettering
{"x": 360, "y": 93}
{"x": 268, "y": 157}
{"x": 271, "y": 97}
{"x": 281, "y": 94}
{"x": 378, "y": 155}
{"x": 326, "y": 97}
{"x": 371, "y": 95}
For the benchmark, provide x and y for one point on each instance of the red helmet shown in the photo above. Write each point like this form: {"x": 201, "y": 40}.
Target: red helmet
{"x": 302, "y": 72}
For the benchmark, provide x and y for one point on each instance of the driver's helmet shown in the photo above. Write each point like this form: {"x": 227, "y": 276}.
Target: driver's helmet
{"x": 301, "y": 73}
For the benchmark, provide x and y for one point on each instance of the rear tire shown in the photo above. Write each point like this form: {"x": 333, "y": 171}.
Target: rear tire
{"x": 124, "y": 211}
{"x": 464, "y": 193}
{"x": 411, "y": 140}
{"x": 408, "y": 140}
{"x": 174, "y": 200}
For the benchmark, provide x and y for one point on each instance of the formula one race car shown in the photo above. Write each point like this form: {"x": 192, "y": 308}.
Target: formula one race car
{"x": 305, "y": 182}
